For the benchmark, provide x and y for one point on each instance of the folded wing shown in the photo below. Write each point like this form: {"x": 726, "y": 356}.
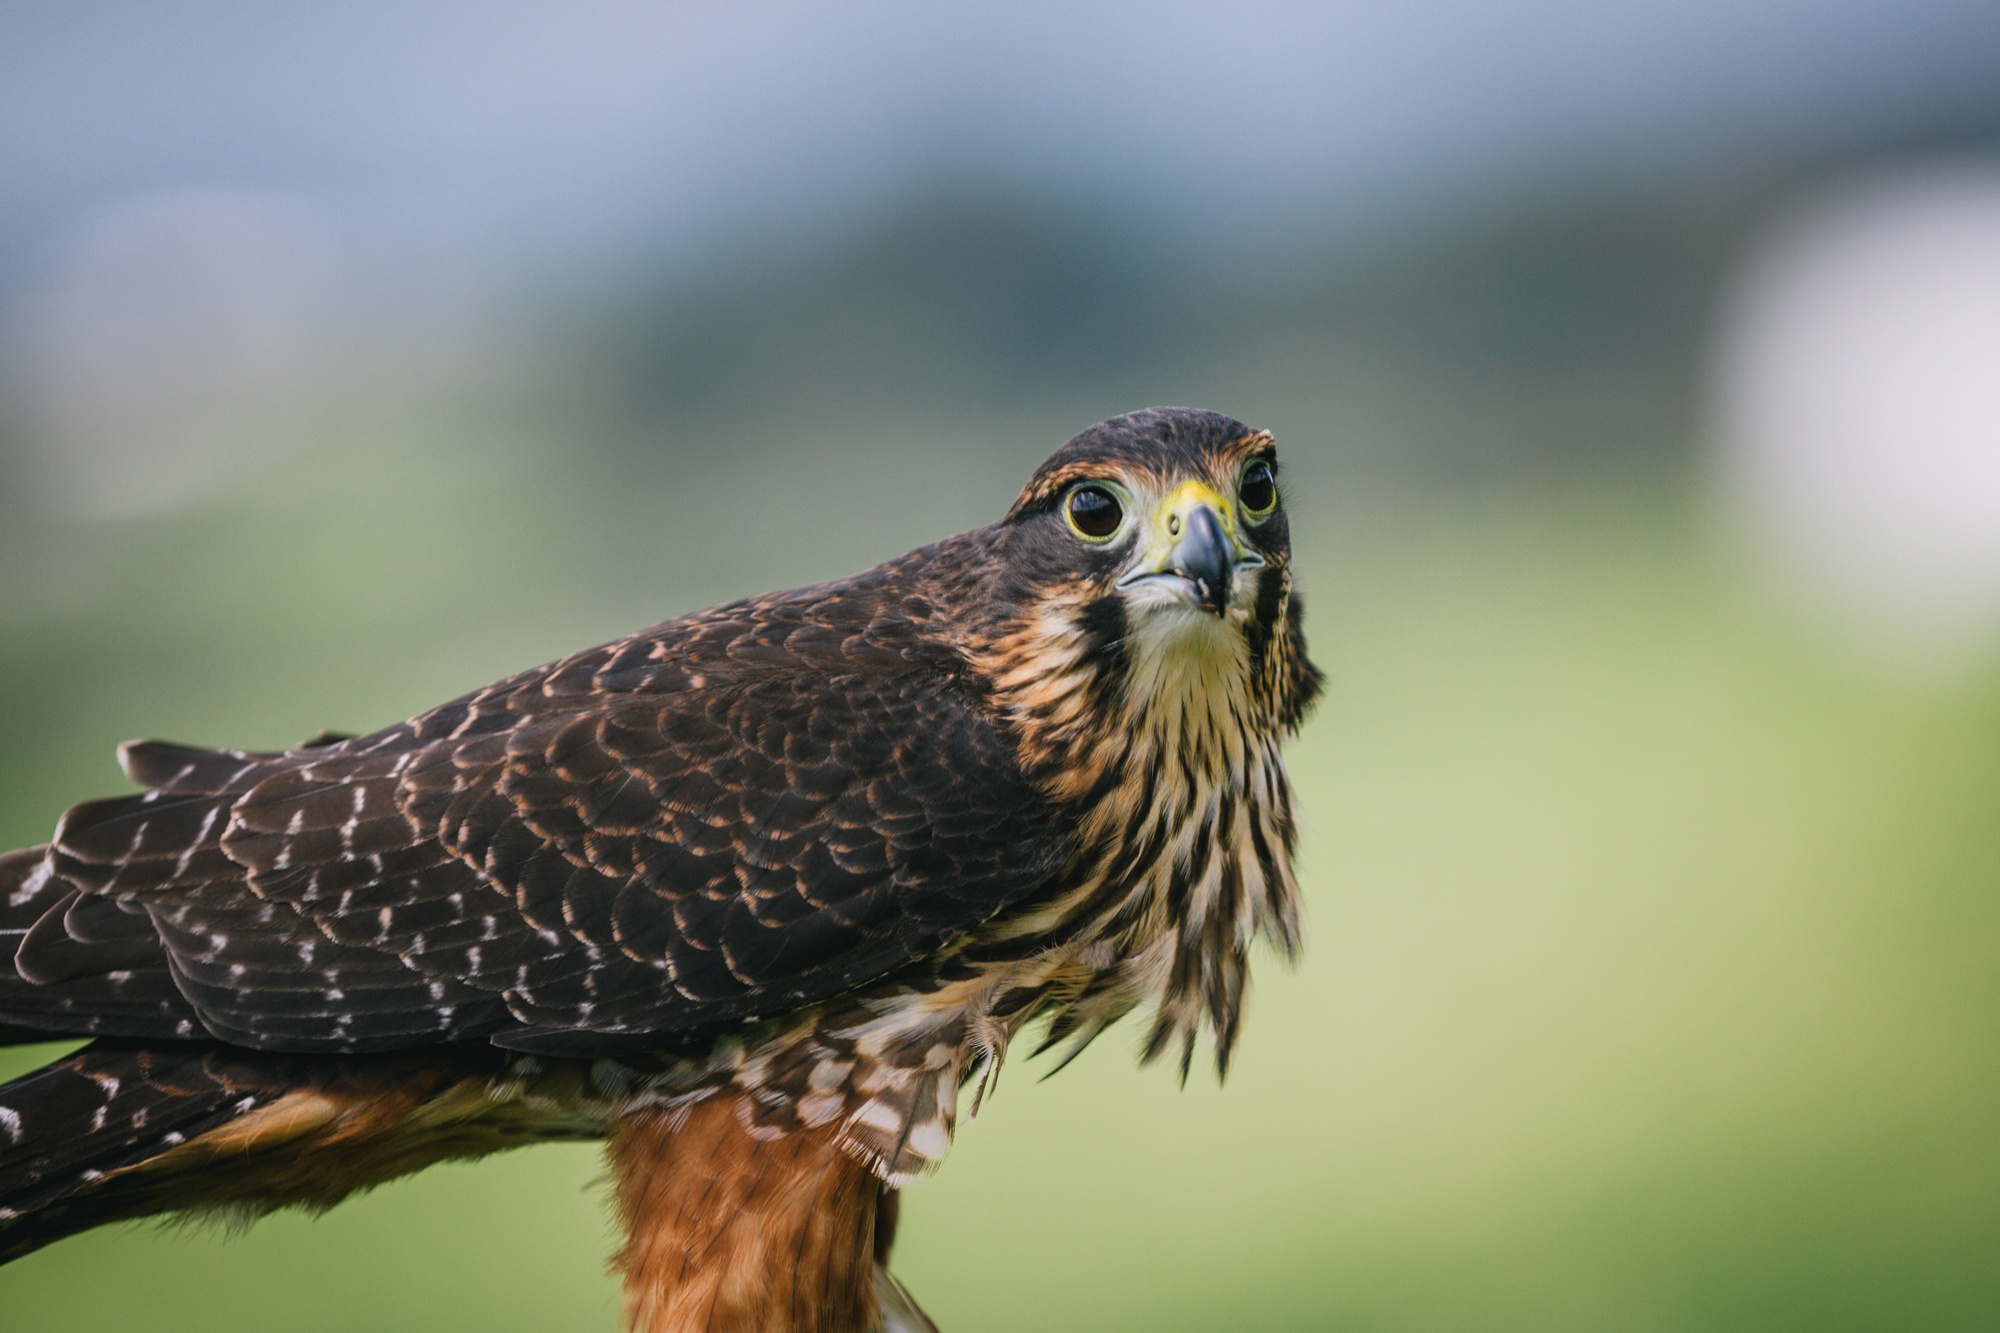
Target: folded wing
{"x": 717, "y": 820}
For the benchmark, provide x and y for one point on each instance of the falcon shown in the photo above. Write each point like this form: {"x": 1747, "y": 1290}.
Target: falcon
{"x": 758, "y": 895}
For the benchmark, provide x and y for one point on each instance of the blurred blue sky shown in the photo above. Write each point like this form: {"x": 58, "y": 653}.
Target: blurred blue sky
{"x": 445, "y": 147}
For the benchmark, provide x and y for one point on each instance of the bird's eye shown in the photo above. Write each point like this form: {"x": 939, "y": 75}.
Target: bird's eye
{"x": 1094, "y": 512}
{"x": 1258, "y": 490}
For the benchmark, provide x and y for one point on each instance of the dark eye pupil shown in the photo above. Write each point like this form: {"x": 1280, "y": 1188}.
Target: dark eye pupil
{"x": 1095, "y": 511}
{"x": 1259, "y": 492}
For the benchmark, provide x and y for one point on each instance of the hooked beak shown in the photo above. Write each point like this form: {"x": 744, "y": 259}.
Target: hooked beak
{"x": 1194, "y": 551}
{"x": 1205, "y": 557}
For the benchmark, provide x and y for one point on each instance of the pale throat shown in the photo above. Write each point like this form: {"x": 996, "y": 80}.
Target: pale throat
{"x": 1188, "y": 675}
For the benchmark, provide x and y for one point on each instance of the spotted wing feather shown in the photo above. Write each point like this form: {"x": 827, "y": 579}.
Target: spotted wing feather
{"x": 723, "y": 818}
{"x": 53, "y": 983}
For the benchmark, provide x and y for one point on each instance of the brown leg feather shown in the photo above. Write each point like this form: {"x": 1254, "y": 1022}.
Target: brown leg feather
{"x": 729, "y": 1234}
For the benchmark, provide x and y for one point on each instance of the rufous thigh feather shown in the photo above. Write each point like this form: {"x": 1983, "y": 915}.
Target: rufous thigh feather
{"x": 729, "y": 1234}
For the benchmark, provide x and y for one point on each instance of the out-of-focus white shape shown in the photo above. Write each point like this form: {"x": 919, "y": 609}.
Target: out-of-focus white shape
{"x": 172, "y": 348}
{"x": 1856, "y": 398}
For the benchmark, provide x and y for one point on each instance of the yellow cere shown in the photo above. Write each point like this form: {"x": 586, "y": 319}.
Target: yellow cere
{"x": 1170, "y": 516}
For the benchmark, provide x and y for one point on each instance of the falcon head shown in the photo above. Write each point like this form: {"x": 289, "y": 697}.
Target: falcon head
{"x": 1162, "y": 537}
{"x": 1138, "y": 599}
{"x": 1173, "y": 512}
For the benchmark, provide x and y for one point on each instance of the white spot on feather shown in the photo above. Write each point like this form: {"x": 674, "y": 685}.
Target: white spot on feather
{"x": 32, "y": 885}
{"x": 930, "y": 1140}
{"x": 879, "y": 1116}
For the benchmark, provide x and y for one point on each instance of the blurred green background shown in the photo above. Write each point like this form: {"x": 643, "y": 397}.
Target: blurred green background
{"x": 1651, "y": 980}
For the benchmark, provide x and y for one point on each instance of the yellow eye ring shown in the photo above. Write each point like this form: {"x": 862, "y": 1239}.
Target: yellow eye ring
{"x": 1095, "y": 512}
{"x": 1257, "y": 492}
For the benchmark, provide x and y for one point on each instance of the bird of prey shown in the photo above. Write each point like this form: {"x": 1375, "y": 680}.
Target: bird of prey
{"x": 756, "y": 895}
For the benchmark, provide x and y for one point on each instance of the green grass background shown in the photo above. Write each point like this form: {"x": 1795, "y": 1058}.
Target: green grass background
{"x": 1650, "y": 983}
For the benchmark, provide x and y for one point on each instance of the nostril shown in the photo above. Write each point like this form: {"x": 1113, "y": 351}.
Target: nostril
{"x": 1173, "y": 525}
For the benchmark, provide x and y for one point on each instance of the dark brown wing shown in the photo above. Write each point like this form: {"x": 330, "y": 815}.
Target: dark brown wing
{"x": 723, "y": 818}
{"x": 85, "y": 975}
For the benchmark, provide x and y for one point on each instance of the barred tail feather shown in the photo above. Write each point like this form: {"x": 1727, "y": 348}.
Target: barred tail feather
{"x": 73, "y": 1133}
{"x": 125, "y": 1129}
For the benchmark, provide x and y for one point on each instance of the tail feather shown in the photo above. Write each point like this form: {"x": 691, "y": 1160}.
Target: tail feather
{"x": 123, "y": 1130}
{"x": 158, "y": 1115}
{"x": 68, "y": 1129}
